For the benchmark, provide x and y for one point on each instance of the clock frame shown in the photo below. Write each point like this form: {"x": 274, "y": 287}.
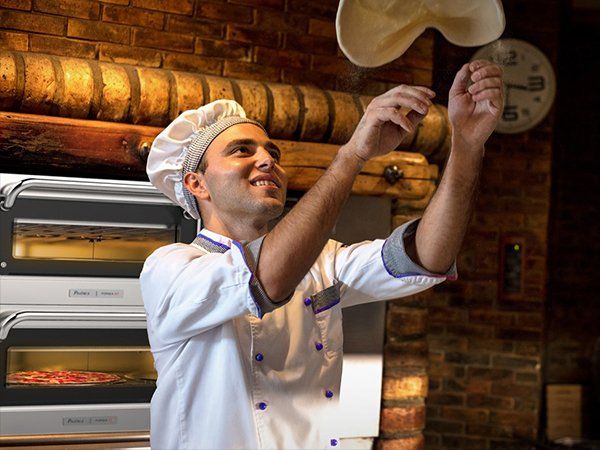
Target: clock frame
{"x": 529, "y": 83}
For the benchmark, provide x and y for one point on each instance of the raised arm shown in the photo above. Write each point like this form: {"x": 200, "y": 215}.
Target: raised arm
{"x": 291, "y": 248}
{"x": 474, "y": 111}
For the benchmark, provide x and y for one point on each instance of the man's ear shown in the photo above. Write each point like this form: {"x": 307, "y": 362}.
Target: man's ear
{"x": 196, "y": 184}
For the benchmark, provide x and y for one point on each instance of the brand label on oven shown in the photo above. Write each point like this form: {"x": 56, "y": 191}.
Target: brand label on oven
{"x": 89, "y": 420}
{"x": 96, "y": 293}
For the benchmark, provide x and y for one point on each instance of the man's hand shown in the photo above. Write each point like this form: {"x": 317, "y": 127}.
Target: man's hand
{"x": 384, "y": 125}
{"x": 475, "y": 110}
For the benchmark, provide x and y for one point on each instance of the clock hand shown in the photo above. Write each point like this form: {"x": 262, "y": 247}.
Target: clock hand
{"x": 517, "y": 86}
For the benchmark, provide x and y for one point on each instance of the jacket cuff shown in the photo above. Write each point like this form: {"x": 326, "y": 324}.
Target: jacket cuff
{"x": 397, "y": 262}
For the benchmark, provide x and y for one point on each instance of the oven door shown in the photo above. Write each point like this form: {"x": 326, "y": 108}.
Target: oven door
{"x": 67, "y": 372}
{"x": 53, "y": 226}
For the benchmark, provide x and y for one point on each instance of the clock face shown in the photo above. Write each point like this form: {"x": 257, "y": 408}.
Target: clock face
{"x": 529, "y": 83}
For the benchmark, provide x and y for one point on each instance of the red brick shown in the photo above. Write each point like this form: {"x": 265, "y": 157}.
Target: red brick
{"x": 467, "y": 358}
{"x": 249, "y": 71}
{"x": 281, "y": 58}
{"x": 184, "y": 7}
{"x": 277, "y": 4}
{"x": 193, "y": 63}
{"x": 24, "y": 5}
{"x": 285, "y": 22}
{"x": 474, "y": 429}
{"x": 335, "y": 66}
{"x": 492, "y": 374}
{"x": 465, "y": 414}
{"x": 98, "y": 31}
{"x": 13, "y": 41}
{"x": 524, "y": 391}
{"x": 84, "y": 9}
{"x": 488, "y": 401}
{"x": 491, "y": 317}
{"x": 116, "y": 2}
{"x": 324, "y": 28}
{"x": 446, "y": 315}
{"x": 309, "y": 77}
{"x": 163, "y": 40}
{"x": 123, "y": 54}
{"x": 462, "y": 442}
{"x": 403, "y": 321}
{"x": 446, "y": 399}
{"x": 315, "y": 45}
{"x": 197, "y": 27}
{"x": 222, "y": 49}
{"x": 405, "y": 443}
{"x": 314, "y": 8}
{"x": 37, "y": 23}
{"x": 445, "y": 426}
{"x": 62, "y": 46}
{"x": 405, "y": 419}
{"x": 133, "y": 16}
{"x": 515, "y": 362}
{"x": 478, "y": 331}
{"x": 404, "y": 387}
{"x": 265, "y": 38}
{"x": 518, "y": 335}
{"x": 226, "y": 12}
{"x": 512, "y": 418}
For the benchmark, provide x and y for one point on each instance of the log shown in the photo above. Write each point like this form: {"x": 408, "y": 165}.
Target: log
{"x": 80, "y": 88}
{"x": 75, "y": 147}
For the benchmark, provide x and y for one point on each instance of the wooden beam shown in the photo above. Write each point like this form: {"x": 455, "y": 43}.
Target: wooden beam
{"x": 59, "y": 146}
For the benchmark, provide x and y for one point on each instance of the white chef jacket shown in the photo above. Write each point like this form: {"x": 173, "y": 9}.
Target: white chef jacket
{"x": 237, "y": 371}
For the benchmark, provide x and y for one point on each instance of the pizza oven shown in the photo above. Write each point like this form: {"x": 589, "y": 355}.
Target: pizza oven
{"x": 74, "y": 355}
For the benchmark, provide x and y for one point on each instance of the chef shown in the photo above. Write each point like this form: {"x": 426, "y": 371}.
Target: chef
{"x": 245, "y": 324}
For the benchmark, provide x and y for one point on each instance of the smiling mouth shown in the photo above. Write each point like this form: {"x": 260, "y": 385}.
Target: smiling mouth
{"x": 264, "y": 183}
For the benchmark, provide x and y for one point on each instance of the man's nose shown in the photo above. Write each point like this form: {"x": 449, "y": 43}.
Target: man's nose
{"x": 264, "y": 159}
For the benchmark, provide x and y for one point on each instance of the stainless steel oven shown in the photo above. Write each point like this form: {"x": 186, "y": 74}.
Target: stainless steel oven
{"x": 74, "y": 353}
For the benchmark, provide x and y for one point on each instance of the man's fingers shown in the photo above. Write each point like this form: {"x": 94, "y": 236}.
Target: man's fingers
{"x": 409, "y": 97}
{"x": 485, "y": 83}
{"x": 489, "y": 94}
{"x": 391, "y": 114}
{"x": 484, "y": 69}
{"x": 461, "y": 80}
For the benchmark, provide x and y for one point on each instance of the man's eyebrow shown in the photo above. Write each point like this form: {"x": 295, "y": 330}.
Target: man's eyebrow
{"x": 248, "y": 141}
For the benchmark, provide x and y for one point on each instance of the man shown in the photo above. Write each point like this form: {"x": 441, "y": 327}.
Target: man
{"x": 245, "y": 324}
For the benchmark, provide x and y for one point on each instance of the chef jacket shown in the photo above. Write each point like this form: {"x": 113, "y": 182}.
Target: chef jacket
{"x": 238, "y": 371}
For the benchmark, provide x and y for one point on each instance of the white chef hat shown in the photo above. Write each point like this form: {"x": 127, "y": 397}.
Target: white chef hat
{"x": 374, "y": 32}
{"x": 179, "y": 148}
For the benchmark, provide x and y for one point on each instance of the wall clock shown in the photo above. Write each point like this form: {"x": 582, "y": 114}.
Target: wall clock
{"x": 529, "y": 83}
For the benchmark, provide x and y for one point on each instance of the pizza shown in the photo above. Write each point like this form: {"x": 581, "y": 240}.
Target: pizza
{"x": 55, "y": 377}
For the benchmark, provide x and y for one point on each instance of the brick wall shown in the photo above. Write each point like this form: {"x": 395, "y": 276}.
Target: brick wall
{"x": 486, "y": 352}
{"x": 290, "y": 41}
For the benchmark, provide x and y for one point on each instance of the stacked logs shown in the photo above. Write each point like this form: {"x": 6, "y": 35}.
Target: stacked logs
{"x": 90, "y": 89}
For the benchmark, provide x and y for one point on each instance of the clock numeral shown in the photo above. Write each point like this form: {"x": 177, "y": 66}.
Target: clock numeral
{"x": 506, "y": 58}
{"x": 536, "y": 83}
{"x": 510, "y": 113}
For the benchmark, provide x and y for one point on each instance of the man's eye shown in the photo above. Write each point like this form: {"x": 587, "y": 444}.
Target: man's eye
{"x": 242, "y": 149}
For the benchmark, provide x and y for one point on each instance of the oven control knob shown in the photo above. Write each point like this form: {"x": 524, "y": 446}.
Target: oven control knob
{"x": 3, "y": 264}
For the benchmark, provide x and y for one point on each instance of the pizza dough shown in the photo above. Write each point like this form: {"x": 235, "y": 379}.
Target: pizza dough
{"x": 374, "y": 32}
{"x": 63, "y": 377}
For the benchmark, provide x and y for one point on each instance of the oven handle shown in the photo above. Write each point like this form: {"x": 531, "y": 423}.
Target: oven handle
{"x": 9, "y": 320}
{"x": 13, "y": 190}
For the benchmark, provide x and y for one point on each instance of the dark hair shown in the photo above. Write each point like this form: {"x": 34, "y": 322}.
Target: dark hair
{"x": 202, "y": 166}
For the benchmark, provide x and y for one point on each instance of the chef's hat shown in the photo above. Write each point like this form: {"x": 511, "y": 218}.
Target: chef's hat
{"x": 374, "y": 32}
{"x": 179, "y": 148}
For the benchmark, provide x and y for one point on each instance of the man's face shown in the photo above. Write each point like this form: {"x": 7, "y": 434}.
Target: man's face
{"x": 243, "y": 177}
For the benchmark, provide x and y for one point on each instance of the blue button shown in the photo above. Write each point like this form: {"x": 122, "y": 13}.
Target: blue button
{"x": 262, "y": 405}
{"x": 318, "y": 346}
{"x": 333, "y": 442}
{"x": 307, "y": 301}
{"x": 328, "y": 393}
{"x": 259, "y": 357}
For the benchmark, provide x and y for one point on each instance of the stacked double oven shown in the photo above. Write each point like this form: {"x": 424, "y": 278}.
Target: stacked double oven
{"x": 74, "y": 353}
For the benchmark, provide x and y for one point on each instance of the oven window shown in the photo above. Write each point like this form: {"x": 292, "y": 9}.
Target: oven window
{"x": 87, "y": 241}
{"x": 79, "y": 367}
